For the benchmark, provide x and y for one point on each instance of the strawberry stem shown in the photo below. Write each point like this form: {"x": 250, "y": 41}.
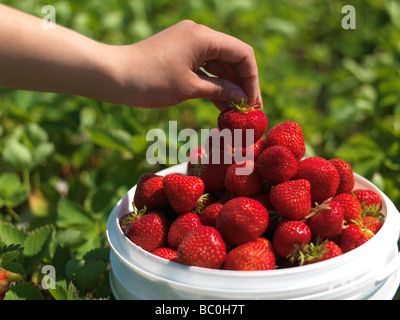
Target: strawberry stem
{"x": 134, "y": 215}
{"x": 242, "y": 106}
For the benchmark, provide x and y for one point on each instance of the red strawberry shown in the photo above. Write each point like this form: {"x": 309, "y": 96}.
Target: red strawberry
{"x": 313, "y": 253}
{"x": 290, "y": 236}
{"x": 346, "y": 175}
{"x": 353, "y": 236}
{"x": 183, "y": 192}
{"x": 3, "y": 274}
{"x": 326, "y": 219}
{"x": 253, "y": 151}
{"x": 276, "y": 164}
{"x": 242, "y": 118}
{"x": 194, "y": 161}
{"x": 242, "y": 220}
{"x": 292, "y": 198}
{"x": 213, "y": 173}
{"x": 166, "y": 253}
{"x": 148, "y": 230}
{"x": 202, "y": 247}
{"x": 268, "y": 244}
{"x": 351, "y": 206}
{"x": 209, "y": 215}
{"x": 322, "y": 175}
{"x": 242, "y": 179}
{"x": 287, "y": 134}
{"x": 180, "y": 226}
{"x": 263, "y": 198}
{"x": 150, "y": 192}
{"x": 250, "y": 256}
{"x": 372, "y": 223}
{"x": 371, "y": 203}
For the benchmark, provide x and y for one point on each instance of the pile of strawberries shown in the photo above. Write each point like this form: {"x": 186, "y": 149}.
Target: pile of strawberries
{"x": 286, "y": 210}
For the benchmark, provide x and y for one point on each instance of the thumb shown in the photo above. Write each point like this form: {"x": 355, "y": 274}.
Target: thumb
{"x": 218, "y": 89}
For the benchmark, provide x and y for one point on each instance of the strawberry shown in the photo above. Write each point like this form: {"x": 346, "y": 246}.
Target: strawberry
{"x": 263, "y": 198}
{"x": 242, "y": 220}
{"x": 246, "y": 183}
{"x": 287, "y": 134}
{"x": 3, "y": 274}
{"x": 253, "y": 151}
{"x": 353, "y": 236}
{"x": 276, "y": 164}
{"x": 346, "y": 175}
{"x": 213, "y": 173}
{"x": 290, "y": 236}
{"x": 180, "y": 226}
{"x": 268, "y": 244}
{"x": 312, "y": 253}
{"x": 322, "y": 175}
{"x": 250, "y": 256}
{"x": 371, "y": 203}
{"x": 350, "y": 205}
{"x": 148, "y": 230}
{"x": 292, "y": 199}
{"x": 209, "y": 215}
{"x": 242, "y": 118}
{"x": 183, "y": 192}
{"x": 202, "y": 247}
{"x": 194, "y": 160}
{"x": 166, "y": 253}
{"x": 326, "y": 219}
{"x": 372, "y": 223}
{"x": 150, "y": 192}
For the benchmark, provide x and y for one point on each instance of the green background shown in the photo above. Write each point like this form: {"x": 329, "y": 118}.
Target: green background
{"x": 66, "y": 160}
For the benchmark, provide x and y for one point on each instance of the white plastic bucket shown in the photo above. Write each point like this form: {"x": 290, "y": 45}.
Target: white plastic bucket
{"x": 371, "y": 271}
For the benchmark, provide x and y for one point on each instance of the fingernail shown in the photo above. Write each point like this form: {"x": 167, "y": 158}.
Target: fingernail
{"x": 236, "y": 95}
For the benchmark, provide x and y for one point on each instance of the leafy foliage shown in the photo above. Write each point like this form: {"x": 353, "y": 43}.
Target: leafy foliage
{"x": 65, "y": 161}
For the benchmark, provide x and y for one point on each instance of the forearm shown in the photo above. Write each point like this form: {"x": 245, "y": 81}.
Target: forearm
{"x": 52, "y": 60}
{"x": 160, "y": 71}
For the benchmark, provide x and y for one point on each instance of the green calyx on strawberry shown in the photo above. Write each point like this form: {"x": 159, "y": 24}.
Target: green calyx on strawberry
{"x": 128, "y": 218}
{"x": 315, "y": 252}
{"x": 242, "y": 106}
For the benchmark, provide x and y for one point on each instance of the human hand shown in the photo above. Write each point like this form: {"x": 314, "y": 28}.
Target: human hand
{"x": 164, "y": 70}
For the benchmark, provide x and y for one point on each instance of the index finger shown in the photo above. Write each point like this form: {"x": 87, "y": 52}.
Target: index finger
{"x": 240, "y": 56}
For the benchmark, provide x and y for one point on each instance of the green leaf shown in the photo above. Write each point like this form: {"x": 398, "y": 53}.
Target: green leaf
{"x": 23, "y": 291}
{"x": 41, "y": 152}
{"x": 19, "y": 197}
{"x": 62, "y": 293}
{"x": 9, "y": 253}
{"x": 116, "y": 139}
{"x": 88, "y": 273}
{"x": 10, "y": 234}
{"x": 36, "y": 246}
{"x": 16, "y": 155}
{"x": 36, "y": 134}
{"x": 9, "y": 184}
{"x": 72, "y": 214}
